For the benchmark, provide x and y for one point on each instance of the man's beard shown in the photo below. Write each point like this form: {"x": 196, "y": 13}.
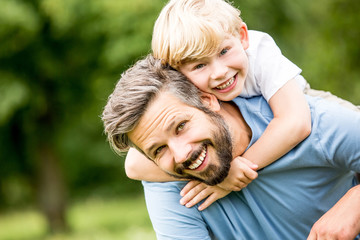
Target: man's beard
{"x": 214, "y": 174}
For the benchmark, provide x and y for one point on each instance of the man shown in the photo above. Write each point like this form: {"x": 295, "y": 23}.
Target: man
{"x": 157, "y": 111}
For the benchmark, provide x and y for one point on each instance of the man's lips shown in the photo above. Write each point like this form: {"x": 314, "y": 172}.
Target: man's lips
{"x": 199, "y": 160}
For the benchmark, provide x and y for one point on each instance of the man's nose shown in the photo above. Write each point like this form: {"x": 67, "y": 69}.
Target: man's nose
{"x": 180, "y": 151}
{"x": 218, "y": 70}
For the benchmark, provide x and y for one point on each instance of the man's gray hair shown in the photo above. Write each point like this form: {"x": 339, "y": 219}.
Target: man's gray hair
{"x": 136, "y": 89}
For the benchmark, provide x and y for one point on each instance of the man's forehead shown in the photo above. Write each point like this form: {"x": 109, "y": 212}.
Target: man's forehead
{"x": 158, "y": 119}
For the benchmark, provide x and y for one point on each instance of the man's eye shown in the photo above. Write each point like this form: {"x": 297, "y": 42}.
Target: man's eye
{"x": 180, "y": 127}
{"x": 158, "y": 150}
{"x": 225, "y": 50}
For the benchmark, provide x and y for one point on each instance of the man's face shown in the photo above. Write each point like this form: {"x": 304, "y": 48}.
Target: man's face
{"x": 184, "y": 141}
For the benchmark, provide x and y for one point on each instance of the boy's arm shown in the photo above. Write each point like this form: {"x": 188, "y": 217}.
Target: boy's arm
{"x": 138, "y": 167}
{"x": 291, "y": 124}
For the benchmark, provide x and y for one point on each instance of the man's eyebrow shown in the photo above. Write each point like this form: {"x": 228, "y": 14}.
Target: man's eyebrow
{"x": 168, "y": 129}
{"x": 141, "y": 151}
{"x": 150, "y": 149}
{"x": 171, "y": 125}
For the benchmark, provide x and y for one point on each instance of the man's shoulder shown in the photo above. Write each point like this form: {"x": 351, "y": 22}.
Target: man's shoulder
{"x": 170, "y": 187}
{"x": 328, "y": 115}
{"x": 254, "y": 105}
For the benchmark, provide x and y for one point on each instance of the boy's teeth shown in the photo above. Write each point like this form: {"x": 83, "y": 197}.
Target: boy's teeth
{"x": 226, "y": 84}
{"x": 199, "y": 161}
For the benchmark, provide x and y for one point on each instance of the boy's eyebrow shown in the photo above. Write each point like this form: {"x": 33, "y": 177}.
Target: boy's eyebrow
{"x": 194, "y": 60}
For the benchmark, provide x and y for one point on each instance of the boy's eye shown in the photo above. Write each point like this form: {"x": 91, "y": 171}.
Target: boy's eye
{"x": 199, "y": 66}
{"x": 225, "y": 50}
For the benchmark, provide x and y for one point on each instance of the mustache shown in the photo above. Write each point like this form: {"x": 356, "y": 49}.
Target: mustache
{"x": 195, "y": 155}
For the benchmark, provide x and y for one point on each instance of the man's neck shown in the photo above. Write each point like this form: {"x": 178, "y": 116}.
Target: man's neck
{"x": 239, "y": 129}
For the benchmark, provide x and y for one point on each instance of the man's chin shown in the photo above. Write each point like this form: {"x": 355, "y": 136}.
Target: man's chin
{"x": 212, "y": 176}
{"x": 215, "y": 181}
{"x": 185, "y": 177}
{"x": 191, "y": 177}
{"x": 216, "y": 174}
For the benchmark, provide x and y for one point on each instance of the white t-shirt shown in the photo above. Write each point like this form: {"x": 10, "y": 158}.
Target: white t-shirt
{"x": 269, "y": 70}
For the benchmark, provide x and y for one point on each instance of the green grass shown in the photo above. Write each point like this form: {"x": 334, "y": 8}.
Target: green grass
{"x": 92, "y": 219}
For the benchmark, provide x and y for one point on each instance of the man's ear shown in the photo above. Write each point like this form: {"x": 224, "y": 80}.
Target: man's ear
{"x": 210, "y": 101}
{"x": 244, "y": 35}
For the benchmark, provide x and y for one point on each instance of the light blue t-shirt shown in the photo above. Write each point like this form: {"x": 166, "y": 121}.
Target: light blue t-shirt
{"x": 289, "y": 195}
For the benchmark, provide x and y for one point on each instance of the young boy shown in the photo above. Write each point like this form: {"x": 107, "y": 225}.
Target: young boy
{"x": 209, "y": 43}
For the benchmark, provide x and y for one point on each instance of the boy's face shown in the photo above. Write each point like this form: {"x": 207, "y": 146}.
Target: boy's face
{"x": 224, "y": 73}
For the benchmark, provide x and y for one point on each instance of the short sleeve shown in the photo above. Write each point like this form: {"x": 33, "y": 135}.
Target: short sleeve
{"x": 272, "y": 69}
{"x": 170, "y": 219}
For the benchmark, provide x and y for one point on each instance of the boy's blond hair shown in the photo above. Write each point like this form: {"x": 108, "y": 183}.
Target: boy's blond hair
{"x": 188, "y": 30}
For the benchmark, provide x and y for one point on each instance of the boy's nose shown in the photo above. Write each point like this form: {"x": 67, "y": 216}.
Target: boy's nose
{"x": 218, "y": 71}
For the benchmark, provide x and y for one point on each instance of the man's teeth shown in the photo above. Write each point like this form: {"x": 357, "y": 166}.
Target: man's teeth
{"x": 199, "y": 161}
{"x": 225, "y": 85}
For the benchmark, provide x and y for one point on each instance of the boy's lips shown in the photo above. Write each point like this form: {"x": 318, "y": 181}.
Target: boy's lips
{"x": 226, "y": 86}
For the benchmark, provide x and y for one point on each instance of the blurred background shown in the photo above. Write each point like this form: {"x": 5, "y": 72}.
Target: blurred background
{"x": 60, "y": 60}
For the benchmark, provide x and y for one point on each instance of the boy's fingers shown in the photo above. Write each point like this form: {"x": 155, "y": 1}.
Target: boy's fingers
{"x": 250, "y": 174}
{"x": 198, "y": 197}
{"x": 192, "y": 193}
{"x": 210, "y": 200}
{"x": 249, "y": 163}
{"x": 190, "y": 185}
{"x": 217, "y": 194}
{"x": 236, "y": 186}
{"x": 248, "y": 169}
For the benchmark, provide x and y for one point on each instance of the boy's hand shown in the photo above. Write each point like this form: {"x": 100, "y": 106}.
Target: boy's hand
{"x": 242, "y": 172}
{"x": 196, "y": 191}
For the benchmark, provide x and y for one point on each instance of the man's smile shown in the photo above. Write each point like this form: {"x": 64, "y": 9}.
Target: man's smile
{"x": 199, "y": 160}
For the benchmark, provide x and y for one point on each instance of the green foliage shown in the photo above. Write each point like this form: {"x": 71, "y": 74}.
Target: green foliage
{"x": 321, "y": 37}
{"x": 20, "y": 25}
{"x": 94, "y": 218}
{"x": 14, "y": 95}
{"x": 60, "y": 59}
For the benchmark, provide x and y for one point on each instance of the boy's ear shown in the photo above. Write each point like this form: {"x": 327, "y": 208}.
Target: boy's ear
{"x": 244, "y": 35}
{"x": 210, "y": 101}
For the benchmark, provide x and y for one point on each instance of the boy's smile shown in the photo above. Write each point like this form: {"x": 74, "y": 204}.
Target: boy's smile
{"x": 227, "y": 84}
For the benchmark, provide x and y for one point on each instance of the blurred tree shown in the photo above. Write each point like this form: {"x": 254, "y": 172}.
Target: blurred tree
{"x": 59, "y": 59}
{"x": 321, "y": 37}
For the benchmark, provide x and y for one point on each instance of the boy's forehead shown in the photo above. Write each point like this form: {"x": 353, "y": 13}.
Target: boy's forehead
{"x": 204, "y": 49}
